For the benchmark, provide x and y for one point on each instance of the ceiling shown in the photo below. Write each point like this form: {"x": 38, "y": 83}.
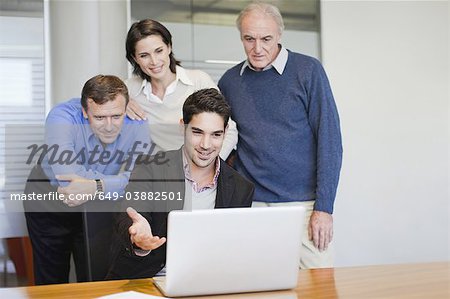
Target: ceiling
{"x": 297, "y": 14}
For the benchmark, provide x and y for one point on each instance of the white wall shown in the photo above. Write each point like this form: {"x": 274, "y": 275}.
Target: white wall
{"x": 388, "y": 62}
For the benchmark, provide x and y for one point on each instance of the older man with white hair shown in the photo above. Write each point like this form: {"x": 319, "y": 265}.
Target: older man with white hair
{"x": 289, "y": 134}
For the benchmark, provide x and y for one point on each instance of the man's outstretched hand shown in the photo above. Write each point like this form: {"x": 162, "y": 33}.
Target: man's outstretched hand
{"x": 141, "y": 232}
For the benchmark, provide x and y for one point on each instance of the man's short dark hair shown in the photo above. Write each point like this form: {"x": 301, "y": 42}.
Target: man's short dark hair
{"x": 103, "y": 88}
{"x": 206, "y": 100}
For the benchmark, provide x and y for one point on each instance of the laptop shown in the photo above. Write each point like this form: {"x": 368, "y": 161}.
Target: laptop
{"x": 236, "y": 250}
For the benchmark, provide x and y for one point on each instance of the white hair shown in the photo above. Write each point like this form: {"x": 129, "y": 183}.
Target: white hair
{"x": 264, "y": 8}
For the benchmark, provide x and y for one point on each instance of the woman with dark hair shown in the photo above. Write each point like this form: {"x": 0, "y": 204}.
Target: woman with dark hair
{"x": 160, "y": 86}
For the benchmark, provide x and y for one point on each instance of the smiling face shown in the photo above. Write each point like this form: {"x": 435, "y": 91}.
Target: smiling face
{"x": 260, "y": 36}
{"x": 106, "y": 120}
{"x": 152, "y": 56}
{"x": 203, "y": 139}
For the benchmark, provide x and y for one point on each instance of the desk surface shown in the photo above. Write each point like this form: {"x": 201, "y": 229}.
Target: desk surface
{"x": 431, "y": 280}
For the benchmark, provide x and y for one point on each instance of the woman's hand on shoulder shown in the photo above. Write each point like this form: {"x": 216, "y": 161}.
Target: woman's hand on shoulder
{"x": 135, "y": 111}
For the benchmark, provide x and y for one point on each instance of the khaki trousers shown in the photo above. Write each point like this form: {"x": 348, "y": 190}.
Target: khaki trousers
{"x": 310, "y": 256}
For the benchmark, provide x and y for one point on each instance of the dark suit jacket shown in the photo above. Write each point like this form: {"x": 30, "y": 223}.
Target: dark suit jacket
{"x": 41, "y": 217}
{"x": 233, "y": 191}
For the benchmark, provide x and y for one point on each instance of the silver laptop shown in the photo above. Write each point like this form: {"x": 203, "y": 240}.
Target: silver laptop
{"x": 237, "y": 250}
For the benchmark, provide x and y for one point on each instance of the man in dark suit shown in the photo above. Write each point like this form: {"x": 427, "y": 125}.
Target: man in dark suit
{"x": 193, "y": 177}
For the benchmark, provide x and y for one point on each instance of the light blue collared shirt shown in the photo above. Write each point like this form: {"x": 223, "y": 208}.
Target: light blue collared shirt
{"x": 77, "y": 150}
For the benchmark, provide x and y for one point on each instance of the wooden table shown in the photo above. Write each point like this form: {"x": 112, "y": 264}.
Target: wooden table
{"x": 431, "y": 280}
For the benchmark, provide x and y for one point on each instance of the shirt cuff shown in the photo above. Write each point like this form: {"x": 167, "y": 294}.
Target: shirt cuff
{"x": 114, "y": 183}
{"x": 141, "y": 252}
{"x": 320, "y": 205}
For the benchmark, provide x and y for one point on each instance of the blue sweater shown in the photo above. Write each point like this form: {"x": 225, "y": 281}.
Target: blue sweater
{"x": 289, "y": 136}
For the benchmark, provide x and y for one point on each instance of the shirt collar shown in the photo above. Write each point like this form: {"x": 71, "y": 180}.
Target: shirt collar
{"x": 141, "y": 89}
{"x": 279, "y": 63}
{"x": 187, "y": 174}
{"x": 181, "y": 75}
